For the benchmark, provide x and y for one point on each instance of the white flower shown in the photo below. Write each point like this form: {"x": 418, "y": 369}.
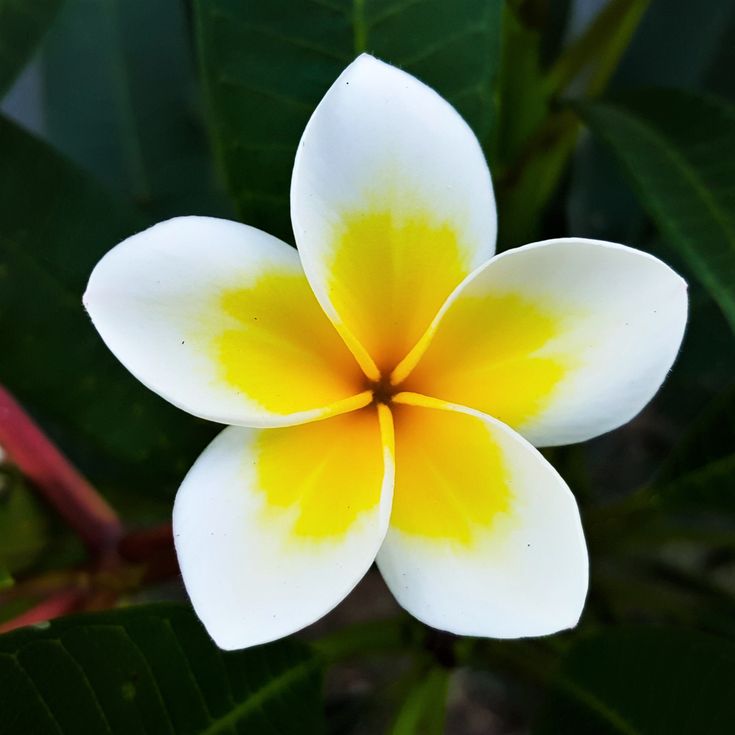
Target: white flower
{"x": 386, "y": 383}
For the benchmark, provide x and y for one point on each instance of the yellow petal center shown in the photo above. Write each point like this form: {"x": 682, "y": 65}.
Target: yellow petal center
{"x": 389, "y": 277}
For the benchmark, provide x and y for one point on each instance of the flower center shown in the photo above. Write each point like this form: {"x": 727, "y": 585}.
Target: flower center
{"x": 383, "y": 390}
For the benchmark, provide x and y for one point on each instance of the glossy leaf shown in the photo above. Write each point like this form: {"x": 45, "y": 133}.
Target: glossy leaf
{"x": 675, "y": 45}
{"x": 121, "y": 100}
{"x": 267, "y": 63}
{"x": 22, "y": 25}
{"x": 678, "y": 150}
{"x": 56, "y": 224}
{"x": 152, "y": 669}
{"x": 643, "y": 681}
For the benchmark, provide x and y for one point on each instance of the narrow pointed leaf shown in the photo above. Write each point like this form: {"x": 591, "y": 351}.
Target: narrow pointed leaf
{"x": 123, "y": 103}
{"x": 267, "y": 63}
{"x": 643, "y": 681}
{"x": 56, "y": 224}
{"x": 678, "y": 151}
{"x": 22, "y": 25}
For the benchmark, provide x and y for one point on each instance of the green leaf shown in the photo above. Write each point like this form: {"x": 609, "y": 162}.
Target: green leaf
{"x": 691, "y": 497}
{"x": 267, "y": 63}
{"x": 537, "y": 140}
{"x": 699, "y": 475}
{"x": 121, "y": 100}
{"x": 678, "y": 150}
{"x": 594, "y": 56}
{"x": 23, "y": 526}
{"x": 31, "y": 535}
{"x": 22, "y": 25}
{"x": 524, "y": 99}
{"x": 423, "y": 710}
{"x": 676, "y": 45}
{"x": 5, "y": 579}
{"x": 152, "y": 669}
{"x": 643, "y": 681}
{"x": 56, "y": 224}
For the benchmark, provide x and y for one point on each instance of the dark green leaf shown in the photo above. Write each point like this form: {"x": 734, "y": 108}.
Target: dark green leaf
{"x": 267, "y": 63}
{"x": 524, "y": 100}
{"x": 675, "y": 43}
{"x": 718, "y": 78}
{"x": 22, "y": 25}
{"x": 678, "y": 150}
{"x": 56, "y": 224}
{"x": 699, "y": 475}
{"x": 640, "y": 681}
{"x": 121, "y": 101}
{"x": 152, "y": 670}
{"x": 690, "y": 498}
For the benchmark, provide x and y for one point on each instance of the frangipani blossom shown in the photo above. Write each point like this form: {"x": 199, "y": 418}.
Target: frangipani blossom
{"x": 387, "y": 382}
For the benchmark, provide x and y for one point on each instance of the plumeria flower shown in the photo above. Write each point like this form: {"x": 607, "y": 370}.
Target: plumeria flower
{"x": 387, "y": 383}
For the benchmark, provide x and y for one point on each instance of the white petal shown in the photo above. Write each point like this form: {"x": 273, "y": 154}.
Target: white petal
{"x": 392, "y": 205}
{"x": 274, "y": 527}
{"x": 561, "y": 340}
{"x": 218, "y": 318}
{"x": 485, "y": 537}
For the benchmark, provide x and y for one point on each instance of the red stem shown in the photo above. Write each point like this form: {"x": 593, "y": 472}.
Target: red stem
{"x": 140, "y": 545}
{"x": 52, "y": 607}
{"x": 155, "y": 547}
{"x": 81, "y": 506}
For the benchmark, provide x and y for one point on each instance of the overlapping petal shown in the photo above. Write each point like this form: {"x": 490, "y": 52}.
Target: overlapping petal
{"x": 561, "y": 340}
{"x": 485, "y": 537}
{"x": 274, "y": 527}
{"x": 218, "y": 318}
{"x": 392, "y": 205}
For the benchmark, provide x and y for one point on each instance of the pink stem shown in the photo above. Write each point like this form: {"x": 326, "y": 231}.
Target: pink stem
{"x": 52, "y": 607}
{"x": 81, "y": 506}
{"x": 140, "y": 545}
{"x": 155, "y": 547}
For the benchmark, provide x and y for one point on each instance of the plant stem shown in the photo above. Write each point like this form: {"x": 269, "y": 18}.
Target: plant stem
{"x": 599, "y": 49}
{"x": 61, "y": 603}
{"x": 71, "y": 495}
{"x": 153, "y": 547}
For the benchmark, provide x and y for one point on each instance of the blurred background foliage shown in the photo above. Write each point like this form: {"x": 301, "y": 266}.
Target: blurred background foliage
{"x": 610, "y": 119}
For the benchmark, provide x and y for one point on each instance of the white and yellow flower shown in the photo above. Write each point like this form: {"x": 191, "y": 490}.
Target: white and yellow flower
{"x": 386, "y": 383}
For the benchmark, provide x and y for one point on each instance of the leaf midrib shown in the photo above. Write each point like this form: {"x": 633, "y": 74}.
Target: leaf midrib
{"x": 273, "y": 687}
{"x": 680, "y": 163}
{"x": 604, "y": 712}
